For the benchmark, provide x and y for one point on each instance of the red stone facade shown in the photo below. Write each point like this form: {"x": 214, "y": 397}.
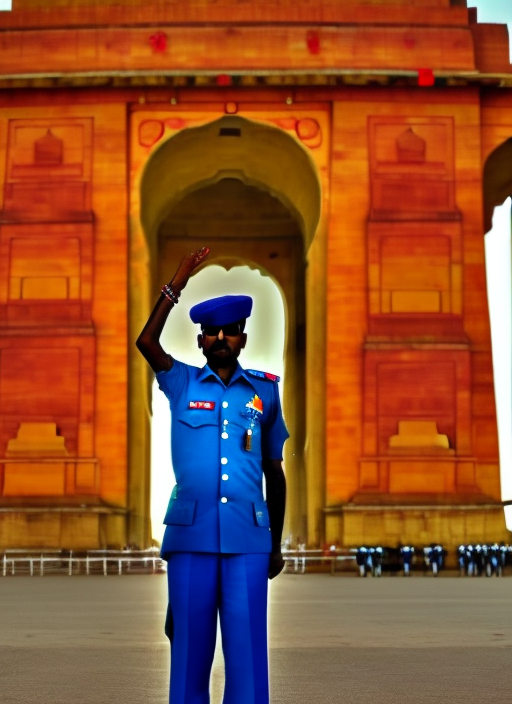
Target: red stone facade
{"x": 393, "y": 108}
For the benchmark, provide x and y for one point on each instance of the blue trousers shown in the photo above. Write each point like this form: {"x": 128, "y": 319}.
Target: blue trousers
{"x": 234, "y": 587}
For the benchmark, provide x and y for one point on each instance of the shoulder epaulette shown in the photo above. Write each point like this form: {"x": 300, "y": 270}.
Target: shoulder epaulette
{"x": 263, "y": 375}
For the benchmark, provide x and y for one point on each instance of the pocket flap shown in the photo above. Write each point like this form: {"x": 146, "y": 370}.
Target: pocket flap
{"x": 195, "y": 419}
{"x": 180, "y": 512}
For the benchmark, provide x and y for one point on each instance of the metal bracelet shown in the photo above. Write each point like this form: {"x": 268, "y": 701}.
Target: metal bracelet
{"x": 171, "y": 294}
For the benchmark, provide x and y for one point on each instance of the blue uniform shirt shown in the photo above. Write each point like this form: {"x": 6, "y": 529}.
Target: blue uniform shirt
{"x": 217, "y": 504}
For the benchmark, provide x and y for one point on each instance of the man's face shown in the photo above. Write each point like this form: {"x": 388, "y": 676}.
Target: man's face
{"x": 220, "y": 346}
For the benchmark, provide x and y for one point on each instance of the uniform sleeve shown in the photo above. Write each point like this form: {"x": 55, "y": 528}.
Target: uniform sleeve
{"x": 174, "y": 381}
{"x": 275, "y": 431}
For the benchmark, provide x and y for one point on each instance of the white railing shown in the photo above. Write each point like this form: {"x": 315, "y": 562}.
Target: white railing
{"x": 122, "y": 561}
{"x": 37, "y": 560}
{"x": 299, "y": 559}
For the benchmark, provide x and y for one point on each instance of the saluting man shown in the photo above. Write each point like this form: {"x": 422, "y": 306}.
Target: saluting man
{"x": 222, "y": 540}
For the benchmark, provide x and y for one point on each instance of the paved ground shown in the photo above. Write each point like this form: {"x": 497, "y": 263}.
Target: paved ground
{"x": 99, "y": 640}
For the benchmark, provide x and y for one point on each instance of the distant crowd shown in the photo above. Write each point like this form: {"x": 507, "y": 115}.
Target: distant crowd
{"x": 473, "y": 560}
{"x": 476, "y": 560}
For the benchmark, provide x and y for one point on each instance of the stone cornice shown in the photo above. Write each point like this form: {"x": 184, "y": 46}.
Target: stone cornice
{"x": 236, "y": 79}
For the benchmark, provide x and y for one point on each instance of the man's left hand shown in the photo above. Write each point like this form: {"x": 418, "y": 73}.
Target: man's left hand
{"x": 276, "y": 564}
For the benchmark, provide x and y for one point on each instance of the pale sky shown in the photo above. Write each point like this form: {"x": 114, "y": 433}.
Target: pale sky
{"x": 499, "y": 11}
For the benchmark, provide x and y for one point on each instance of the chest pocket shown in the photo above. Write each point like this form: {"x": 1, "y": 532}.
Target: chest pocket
{"x": 196, "y": 418}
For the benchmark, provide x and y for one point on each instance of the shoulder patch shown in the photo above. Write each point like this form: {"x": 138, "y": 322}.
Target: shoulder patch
{"x": 263, "y": 375}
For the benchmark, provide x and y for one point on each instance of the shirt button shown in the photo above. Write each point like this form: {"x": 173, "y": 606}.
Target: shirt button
{"x": 223, "y": 460}
{"x": 225, "y": 477}
{"x": 225, "y": 421}
{"x": 224, "y": 436}
{"x": 223, "y": 500}
{"x": 225, "y": 404}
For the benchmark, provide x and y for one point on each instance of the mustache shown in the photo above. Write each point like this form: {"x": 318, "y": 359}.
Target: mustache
{"x": 219, "y": 345}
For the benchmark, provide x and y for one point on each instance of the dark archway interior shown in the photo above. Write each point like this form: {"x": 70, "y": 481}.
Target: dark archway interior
{"x": 229, "y": 209}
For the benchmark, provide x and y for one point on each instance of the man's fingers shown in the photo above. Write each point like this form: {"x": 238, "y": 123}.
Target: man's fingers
{"x": 276, "y": 565}
{"x": 201, "y": 254}
{"x": 273, "y": 573}
{"x": 195, "y": 258}
{"x": 187, "y": 265}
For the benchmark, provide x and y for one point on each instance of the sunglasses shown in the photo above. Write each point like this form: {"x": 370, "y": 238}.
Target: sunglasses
{"x": 232, "y": 329}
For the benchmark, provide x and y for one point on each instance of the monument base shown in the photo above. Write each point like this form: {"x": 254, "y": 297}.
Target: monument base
{"x": 61, "y": 527}
{"x": 417, "y": 521}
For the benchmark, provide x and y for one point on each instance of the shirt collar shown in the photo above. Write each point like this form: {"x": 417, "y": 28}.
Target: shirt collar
{"x": 239, "y": 374}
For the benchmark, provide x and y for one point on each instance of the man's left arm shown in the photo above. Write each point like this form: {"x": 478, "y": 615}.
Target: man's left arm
{"x": 275, "y": 484}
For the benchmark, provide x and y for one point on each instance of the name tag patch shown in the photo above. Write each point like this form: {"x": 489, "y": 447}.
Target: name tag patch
{"x": 202, "y": 405}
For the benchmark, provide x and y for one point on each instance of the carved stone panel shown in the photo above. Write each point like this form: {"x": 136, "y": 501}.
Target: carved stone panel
{"x": 415, "y": 266}
{"x": 46, "y": 274}
{"x": 48, "y": 171}
{"x": 47, "y": 416}
{"x": 412, "y": 168}
{"x": 417, "y": 421}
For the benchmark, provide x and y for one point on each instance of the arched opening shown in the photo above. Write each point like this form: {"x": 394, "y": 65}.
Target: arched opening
{"x": 234, "y": 147}
{"x": 497, "y": 209}
{"x": 251, "y": 193}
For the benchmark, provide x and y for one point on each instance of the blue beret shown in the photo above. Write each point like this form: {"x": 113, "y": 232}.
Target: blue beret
{"x": 222, "y": 310}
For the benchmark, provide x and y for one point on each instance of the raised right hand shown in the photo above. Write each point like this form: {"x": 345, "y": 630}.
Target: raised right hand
{"x": 187, "y": 265}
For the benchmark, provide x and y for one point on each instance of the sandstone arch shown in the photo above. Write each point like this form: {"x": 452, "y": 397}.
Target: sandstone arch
{"x": 231, "y": 156}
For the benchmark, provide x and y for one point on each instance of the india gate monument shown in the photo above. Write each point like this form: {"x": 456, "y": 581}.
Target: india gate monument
{"x": 352, "y": 151}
